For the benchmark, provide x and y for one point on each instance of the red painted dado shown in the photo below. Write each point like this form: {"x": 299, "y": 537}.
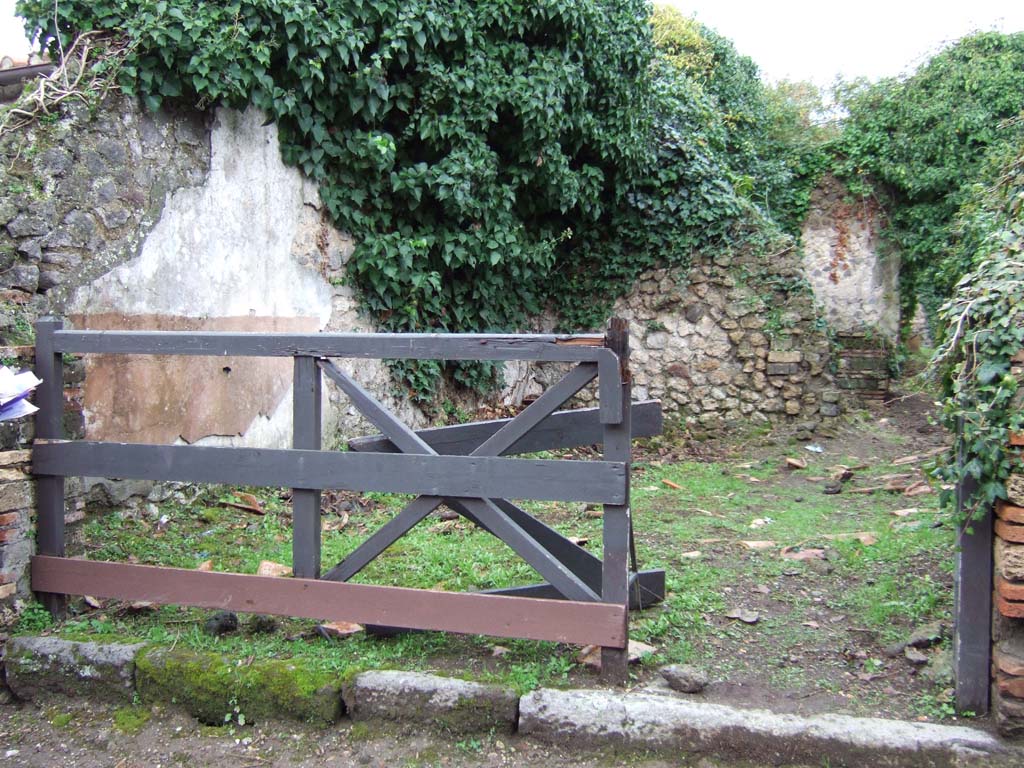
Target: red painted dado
{"x": 159, "y": 398}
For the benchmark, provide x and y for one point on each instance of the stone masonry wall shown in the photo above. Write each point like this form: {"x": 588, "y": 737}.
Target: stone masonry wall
{"x": 191, "y": 221}
{"x": 17, "y": 488}
{"x": 78, "y": 195}
{"x": 724, "y": 345}
{"x": 17, "y": 502}
{"x": 126, "y": 219}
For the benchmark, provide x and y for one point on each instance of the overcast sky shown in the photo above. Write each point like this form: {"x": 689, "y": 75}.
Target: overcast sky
{"x": 802, "y": 39}
{"x": 817, "y": 40}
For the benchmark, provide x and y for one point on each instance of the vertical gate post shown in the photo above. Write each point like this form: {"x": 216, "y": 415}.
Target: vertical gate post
{"x": 49, "y": 424}
{"x": 306, "y": 383}
{"x": 615, "y": 569}
{"x": 972, "y": 607}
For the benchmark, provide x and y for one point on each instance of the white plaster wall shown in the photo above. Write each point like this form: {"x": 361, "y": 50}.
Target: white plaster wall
{"x": 224, "y": 249}
{"x": 856, "y": 285}
{"x": 252, "y": 240}
{"x": 241, "y": 244}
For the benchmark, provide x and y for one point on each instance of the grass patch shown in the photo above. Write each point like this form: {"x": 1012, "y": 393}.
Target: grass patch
{"x": 131, "y": 720}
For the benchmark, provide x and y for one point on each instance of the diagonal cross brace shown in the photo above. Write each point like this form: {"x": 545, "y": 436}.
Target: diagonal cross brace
{"x": 483, "y": 511}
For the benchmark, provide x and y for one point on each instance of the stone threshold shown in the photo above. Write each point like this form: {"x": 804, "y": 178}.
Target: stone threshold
{"x": 644, "y": 721}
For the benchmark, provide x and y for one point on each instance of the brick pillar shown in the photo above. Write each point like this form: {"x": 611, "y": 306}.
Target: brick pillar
{"x": 17, "y": 501}
{"x": 17, "y": 488}
{"x": 1008, "y": 621}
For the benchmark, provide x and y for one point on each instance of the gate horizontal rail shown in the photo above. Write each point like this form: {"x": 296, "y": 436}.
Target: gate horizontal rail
{"x": 453, "y": 476}
{"x": 461, "y": 466}
{"x": 406, "y": 346}
{"x": 472, "y": 613}
{"x": 397, "y": 346}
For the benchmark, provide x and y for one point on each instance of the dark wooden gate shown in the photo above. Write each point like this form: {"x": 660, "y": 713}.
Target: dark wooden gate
{"x": 582, "y": 600}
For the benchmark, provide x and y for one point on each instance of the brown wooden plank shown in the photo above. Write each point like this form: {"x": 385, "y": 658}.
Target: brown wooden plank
{"x": 469, "y": 476}
{"x": 404, "y": 346}
{"x": 562, "y": 429}
{"x": 555, "y": 620}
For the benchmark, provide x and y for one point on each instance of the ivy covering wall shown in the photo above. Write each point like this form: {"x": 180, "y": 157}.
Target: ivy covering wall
{"x": 984, "y": 330}
{"x": 491, "y": 159}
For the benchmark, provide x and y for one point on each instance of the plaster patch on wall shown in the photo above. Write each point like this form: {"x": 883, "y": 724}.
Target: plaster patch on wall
{"x": 224, "y": 249}
{"x": 161, "y": 398}
{"x": 247, "y": 250}
{"x": 856, "y": 285}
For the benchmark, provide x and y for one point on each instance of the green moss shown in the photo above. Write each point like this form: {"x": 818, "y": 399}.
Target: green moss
{"x": 201, "y": 683}
{"x": 212, "y": 515}
{"x": 209, "y": 687}
{"x": 61, "y": 719}
{"x": 293, "y": 690}
{"x": 131, "y": 720}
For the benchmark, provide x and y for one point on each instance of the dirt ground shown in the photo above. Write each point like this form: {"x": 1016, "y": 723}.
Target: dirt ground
{"x": 42, "y": 738}
{"x": 808, "y": 654}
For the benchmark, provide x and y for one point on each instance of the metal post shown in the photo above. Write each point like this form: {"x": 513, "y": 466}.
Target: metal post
{"x": 306, "y": 502}
{"x": 49, "y": 424}
{"x": 615, "y": 569}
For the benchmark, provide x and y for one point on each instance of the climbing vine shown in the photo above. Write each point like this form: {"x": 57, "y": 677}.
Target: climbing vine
{"x": 984, "y": 320}
{"x": 921, "y": 143}
{"x": 732, "y": 162}
{"x": 460, "y": 141}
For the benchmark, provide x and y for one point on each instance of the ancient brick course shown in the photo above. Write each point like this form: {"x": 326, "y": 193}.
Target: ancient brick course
{"x": 1008, "y": 622}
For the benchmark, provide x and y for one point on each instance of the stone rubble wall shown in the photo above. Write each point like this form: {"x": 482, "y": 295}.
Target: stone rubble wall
{"x": 124, "y": 219}
{"x": 80, "y": 194}
{"x": 722, "y": 346}
{"x": 1008, "y": 623}
{"x": 17, "y": 501}
{"x": 17, "y": 487}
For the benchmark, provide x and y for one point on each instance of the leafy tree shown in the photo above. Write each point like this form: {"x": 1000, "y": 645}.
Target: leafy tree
{"x": 771, "y": 149}
{"x": 921, "y": 144}
{"x": 457, "y": 140}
